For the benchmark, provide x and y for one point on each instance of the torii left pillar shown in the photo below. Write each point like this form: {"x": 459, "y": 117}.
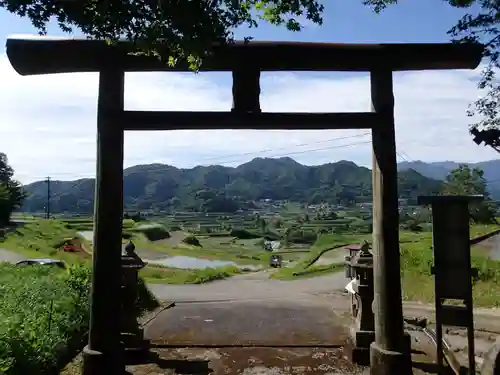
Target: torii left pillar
{"x": 104, "y": 353}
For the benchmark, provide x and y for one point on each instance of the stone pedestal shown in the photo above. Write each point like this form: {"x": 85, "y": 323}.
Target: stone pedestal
{"x": 384, "y": 361}
{"x": 96, "y": 363}
{"x": 359, "y": 350}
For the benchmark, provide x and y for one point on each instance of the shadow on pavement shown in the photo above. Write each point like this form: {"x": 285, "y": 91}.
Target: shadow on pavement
{"x": 174, "y": 366}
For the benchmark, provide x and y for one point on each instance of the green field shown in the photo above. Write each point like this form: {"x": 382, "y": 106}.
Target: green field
{"x": 186, "y": 234}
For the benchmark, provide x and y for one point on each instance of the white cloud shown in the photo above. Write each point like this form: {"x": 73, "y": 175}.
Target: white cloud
{"x": 47, "y": 123}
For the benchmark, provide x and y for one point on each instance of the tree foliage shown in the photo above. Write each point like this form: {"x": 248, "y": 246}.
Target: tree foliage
{"x": 470, "y": 181}
{"x": 480, "y": 24}
{"x": 11, "y": 192}
{"x": 186, "y": 29}
{"x": 178, "y": 29}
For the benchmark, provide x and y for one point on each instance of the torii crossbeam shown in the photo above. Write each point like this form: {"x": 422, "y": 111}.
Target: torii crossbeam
{"x": 41, "y": 55}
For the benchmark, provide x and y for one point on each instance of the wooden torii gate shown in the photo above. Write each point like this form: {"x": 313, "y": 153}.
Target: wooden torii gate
{"x": 40, "y": 55}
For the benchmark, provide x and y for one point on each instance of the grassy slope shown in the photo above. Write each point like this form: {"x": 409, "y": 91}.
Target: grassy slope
{"x": 245, "y": 252}
{"x": 418, "y": 283}
{"x": 165, "y": 275}
{"x": 305, "y": 266}
{"x": 41, "y": 238}
{"x": 416, "y": 260}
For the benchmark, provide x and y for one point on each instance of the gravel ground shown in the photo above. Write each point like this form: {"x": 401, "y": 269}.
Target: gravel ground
{"x": 248, "y": 361}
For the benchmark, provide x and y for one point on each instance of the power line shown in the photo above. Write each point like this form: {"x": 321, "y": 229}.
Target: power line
{"x": 401, "y": 156}
{"x": 223, "y": 159}
{"x": 166, "y": 169}
{"x": 407, "y": 157}
{"x": 286, "y": 147}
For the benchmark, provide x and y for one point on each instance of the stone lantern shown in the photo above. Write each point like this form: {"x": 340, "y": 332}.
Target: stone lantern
{"x": 363, "y": 330}
{"x": 353, "y": 250}
{"x": 132, "y": 334}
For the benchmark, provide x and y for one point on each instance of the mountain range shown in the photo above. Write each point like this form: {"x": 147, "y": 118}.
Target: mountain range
{"x": 439, "y": 171}
{"x": 226, "y": 189}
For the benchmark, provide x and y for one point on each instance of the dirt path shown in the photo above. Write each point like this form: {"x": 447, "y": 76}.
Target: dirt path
{"x": 331, "y": 257}
{"x": 491, "y": 246}
{"x": 175, "y": 238}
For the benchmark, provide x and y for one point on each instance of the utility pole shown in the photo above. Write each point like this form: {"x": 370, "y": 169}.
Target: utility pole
{"x": 47, "y": 211}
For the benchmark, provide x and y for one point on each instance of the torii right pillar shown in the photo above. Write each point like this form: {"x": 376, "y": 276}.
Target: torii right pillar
{"x": 390, "y": 353}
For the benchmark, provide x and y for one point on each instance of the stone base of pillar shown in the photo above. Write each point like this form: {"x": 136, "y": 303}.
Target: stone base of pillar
{"x": 383, "y": 362}
{"x": 97, "y": 363}
{"x": 135, "y": 346}
{"x": 358, "y": 350}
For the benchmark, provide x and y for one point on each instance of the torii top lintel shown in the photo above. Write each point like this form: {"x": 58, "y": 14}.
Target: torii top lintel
{"x": 45, "y": 55}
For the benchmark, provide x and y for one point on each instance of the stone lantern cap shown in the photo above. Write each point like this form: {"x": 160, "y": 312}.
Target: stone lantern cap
{"x": 130, "y": 259}
{"x": 364, "y": 258}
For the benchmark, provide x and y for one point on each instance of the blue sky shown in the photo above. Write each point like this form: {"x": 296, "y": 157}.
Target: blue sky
{"x": 43, "y": 117}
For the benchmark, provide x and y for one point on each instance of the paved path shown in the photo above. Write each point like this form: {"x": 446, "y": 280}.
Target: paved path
{"x": 250, "y": 286}
{"x": 297, "y": 322}
{"x": 9, "y": 256}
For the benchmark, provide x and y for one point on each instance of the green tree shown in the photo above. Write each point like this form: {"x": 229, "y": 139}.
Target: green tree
{"x": 11, "y": 193}
{"x": 480, "y": 24}
{"x": 470, "y": 181}
{"x": 186, "y": 29}
{"x": 262, "y": 223}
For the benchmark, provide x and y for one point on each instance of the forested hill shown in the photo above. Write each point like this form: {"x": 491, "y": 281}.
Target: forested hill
{"x": 229, "y": 188}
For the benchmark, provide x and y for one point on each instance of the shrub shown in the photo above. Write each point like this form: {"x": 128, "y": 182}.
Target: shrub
{"x": 272, "y": 236}
{"x": 42, "y": 310}
{"x": 153, "y": 232}
{"x": 127, "y": 235}
{"x": 44, "y": 315}
{"x": 135, "y": 216}
{"x": 302, "y": 236}
{"x": 127, "y": 223}
{"x": 243, "y": 234}
{"x": 191, "y": 240}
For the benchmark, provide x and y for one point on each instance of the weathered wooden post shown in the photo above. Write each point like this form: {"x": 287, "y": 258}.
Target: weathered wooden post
{"x": 390, "y": 351}
{"x": 452, "y": 267}
{"x": 103, "y": 354}
{"x": 246, "y": 89}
